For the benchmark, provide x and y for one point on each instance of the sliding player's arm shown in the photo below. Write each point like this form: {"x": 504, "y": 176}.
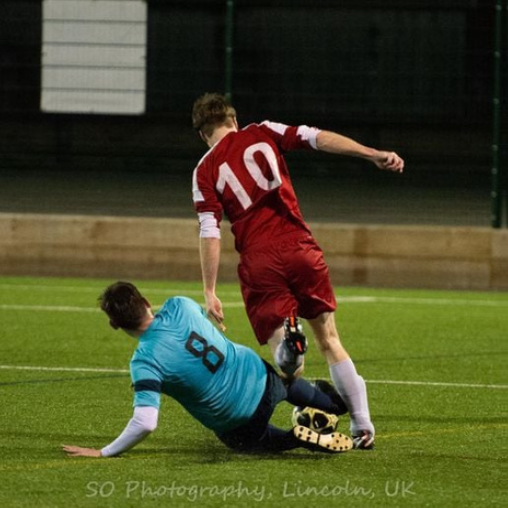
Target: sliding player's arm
{"x": 147, "y": 383}
{"x": 143, "y": 422}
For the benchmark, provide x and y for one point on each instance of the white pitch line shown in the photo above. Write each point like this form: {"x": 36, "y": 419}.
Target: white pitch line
{"x": 360, "y": 299}
{"x": 67, "y": 309}
{"x": 438, "y": 384}
{"x": 421, "y": 300}
{"x": 73, "y": 370}
{"x": 7, "y": 286}
{"x": 83, "y": 309}
{"x": 240, "y": 304}
{"x": 386, "y": 382}
{"x": 97, "y": 290}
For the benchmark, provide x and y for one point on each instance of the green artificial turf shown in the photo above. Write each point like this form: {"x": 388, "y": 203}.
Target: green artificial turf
{"x": 434, "y": 361}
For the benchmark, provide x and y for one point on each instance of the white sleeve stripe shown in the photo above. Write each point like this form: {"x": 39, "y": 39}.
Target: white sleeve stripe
{"x": 208, "y": 226}
{"x": 308, "y": 134}
{"x": 276, "y": 127}
{"x": 197, "y": 195}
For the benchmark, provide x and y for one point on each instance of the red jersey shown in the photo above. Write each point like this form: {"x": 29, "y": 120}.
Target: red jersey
{"x": 245, "y": 177}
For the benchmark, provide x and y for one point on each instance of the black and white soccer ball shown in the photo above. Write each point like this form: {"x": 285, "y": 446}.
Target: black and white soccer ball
{"x": 315, "y": 419}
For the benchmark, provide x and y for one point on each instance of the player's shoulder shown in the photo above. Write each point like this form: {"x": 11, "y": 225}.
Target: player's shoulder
{"x": 268, "y": 126}
{"x": 179, "y": 304}
{"x": 180, "y": 300}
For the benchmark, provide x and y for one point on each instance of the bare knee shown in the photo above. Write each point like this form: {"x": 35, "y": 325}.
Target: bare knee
{"x": 327, "y": 337}
{"x": 327, "y": 343}
{"x": 325, "y": 331}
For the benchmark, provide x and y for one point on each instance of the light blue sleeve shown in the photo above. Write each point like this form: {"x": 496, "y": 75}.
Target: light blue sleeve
{"x": 147, "y": 382}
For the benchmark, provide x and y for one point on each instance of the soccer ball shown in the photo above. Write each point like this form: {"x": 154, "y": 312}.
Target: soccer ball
{"x": 315, "y": 419}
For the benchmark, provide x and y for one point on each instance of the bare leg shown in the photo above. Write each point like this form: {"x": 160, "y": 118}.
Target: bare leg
{"x": 350, "y": 386}
{"x": 327, "y": 338}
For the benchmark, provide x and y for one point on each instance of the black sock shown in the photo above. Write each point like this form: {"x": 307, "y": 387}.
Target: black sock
{"x": 301, "y": 393}
{"x": 278, "y": 440}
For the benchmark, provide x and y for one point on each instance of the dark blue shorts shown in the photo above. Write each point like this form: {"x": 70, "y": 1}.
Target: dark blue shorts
{"x": 248, "y": 436}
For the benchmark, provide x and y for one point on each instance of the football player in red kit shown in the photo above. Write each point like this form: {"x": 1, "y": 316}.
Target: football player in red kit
{"x": 282, "y": 271}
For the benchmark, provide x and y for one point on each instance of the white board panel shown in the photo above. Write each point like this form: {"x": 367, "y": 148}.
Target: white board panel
{"x": 99, "y": 10}
{"x": 94, "y": 56}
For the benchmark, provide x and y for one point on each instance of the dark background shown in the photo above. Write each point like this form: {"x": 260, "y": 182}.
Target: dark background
{"x": 407, "y": 75}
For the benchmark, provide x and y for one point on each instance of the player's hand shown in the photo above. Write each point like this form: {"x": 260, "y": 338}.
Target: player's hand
{"x": 74, "y": 450}
{"x": 389, "y": 161}
{"x": 214, "y": 309}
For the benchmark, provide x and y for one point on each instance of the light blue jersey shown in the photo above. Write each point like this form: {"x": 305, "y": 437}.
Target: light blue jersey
{"x": 184, "y": 356}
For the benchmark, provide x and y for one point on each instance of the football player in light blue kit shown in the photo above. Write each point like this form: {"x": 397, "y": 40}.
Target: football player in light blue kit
{"x": 224, "y": 385}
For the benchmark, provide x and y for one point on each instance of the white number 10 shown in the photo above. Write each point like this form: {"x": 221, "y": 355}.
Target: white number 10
{"x": 226, "y": 175}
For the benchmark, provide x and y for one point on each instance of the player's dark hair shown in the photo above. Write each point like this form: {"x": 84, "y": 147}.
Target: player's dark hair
{"x": 124, "y": 305}
{"x": 210, "y": 111}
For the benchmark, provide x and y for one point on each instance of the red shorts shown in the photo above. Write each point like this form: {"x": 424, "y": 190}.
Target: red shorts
{"x": 289, "y": 277}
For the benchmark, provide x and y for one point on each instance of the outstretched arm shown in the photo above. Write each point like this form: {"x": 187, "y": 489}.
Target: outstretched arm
{"x": 334, "y": 143}
{"x": 210, "y": 248}
{"x": 143, "y": 422}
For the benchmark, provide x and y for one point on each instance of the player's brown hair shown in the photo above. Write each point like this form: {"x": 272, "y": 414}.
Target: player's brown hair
{"x": 124, "y": 305}
{"x": 210, "y": 111}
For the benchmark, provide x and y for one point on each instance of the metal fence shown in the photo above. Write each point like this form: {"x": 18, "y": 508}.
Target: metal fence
{"x": 411, "y": 75}
{"x": 500, "y": 116}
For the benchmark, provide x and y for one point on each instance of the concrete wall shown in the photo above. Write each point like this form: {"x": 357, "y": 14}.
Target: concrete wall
{"x": 123, "y": 247}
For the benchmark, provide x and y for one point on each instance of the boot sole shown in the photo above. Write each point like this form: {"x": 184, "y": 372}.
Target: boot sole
{"x": 333, "y": 442}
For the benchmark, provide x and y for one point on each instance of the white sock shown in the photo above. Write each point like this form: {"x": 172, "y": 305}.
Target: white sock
{"x": 351, "y": 388}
